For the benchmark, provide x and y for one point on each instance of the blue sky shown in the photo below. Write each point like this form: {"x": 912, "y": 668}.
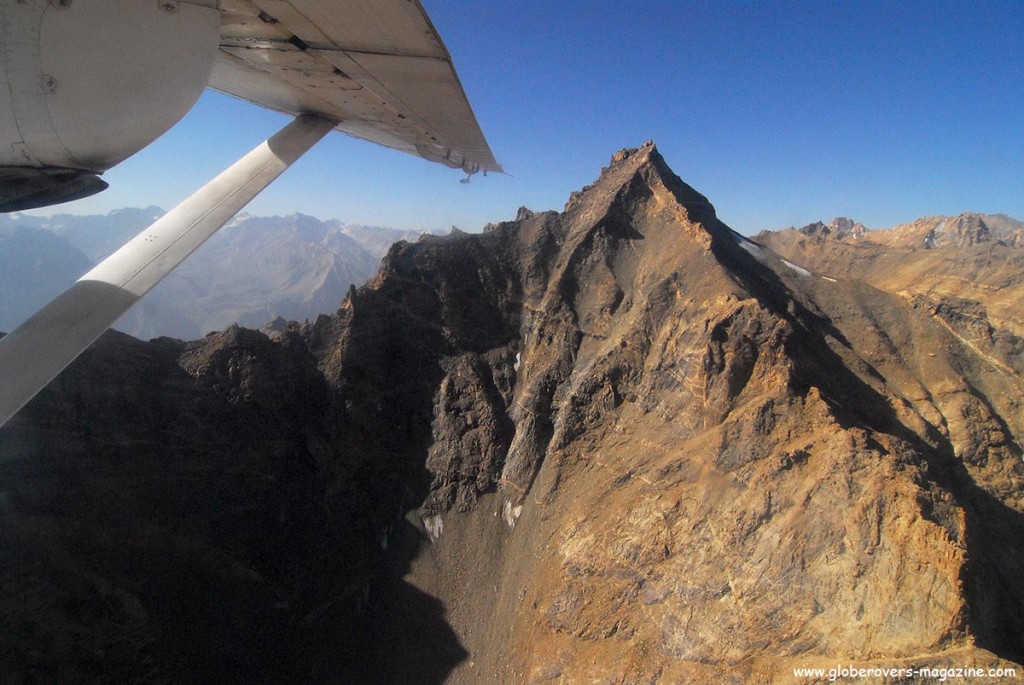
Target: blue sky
{"x": 782, "y": 113}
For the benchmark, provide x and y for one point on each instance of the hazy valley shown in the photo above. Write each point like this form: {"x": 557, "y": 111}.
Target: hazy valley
{"x": 255, "y": 270}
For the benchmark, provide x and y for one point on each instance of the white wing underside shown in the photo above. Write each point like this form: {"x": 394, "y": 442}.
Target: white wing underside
{"x": 377, "y": 66}
{"x": 375, "y": 69}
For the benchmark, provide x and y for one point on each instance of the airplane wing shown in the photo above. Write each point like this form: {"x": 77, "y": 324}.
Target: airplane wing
{"x": 375, "y": 69}
{"x": 378, "y": 67}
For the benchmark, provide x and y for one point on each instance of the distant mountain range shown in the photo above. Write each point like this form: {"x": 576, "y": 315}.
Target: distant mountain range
{"x": 929, "y": 232}
{"x": 253, "y": 271}
{"x": 976, "y": 259}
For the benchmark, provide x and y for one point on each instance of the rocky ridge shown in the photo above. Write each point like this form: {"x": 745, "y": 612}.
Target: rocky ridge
{"x": 839, "y": 228}
{"x": 930, "y": 232}
{"x": 617, "y": 443}
{"x": 973, "y": 259}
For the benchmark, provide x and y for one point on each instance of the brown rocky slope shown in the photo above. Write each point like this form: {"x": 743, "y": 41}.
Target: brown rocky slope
{"x": 614, "y": 444}
{"x": 971, "y": 259}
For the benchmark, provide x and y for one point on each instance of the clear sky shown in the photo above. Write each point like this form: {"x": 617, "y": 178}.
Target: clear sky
{"x": 782, "y": 113}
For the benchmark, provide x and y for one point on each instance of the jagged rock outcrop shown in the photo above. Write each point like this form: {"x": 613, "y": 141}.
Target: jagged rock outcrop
{"x": 838, "y": 229}
{"x": 619, "y": 443}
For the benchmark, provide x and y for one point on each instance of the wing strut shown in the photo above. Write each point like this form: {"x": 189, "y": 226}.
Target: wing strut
{"x": 35, "y": 352}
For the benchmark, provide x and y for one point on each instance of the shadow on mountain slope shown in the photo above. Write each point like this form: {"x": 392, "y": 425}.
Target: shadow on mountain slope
{"x": 194, "y": 522}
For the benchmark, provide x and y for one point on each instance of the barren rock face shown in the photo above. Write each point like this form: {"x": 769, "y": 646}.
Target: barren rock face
{"x": 614, "y": 444}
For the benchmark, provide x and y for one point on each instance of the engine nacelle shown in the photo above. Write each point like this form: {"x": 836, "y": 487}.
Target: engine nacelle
{"x": 91, "y": 82}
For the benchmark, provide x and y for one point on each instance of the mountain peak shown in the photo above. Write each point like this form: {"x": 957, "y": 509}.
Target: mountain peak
{"x": 963, "y": 230}
{"x": 638, "y": 174}
{"x": 839, "y": 228}
{"x": 662, "y": 460}
{"x": 625, "y": 153}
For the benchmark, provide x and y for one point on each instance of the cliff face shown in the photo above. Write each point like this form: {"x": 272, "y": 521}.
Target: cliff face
{"x": 618, "y": 443}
